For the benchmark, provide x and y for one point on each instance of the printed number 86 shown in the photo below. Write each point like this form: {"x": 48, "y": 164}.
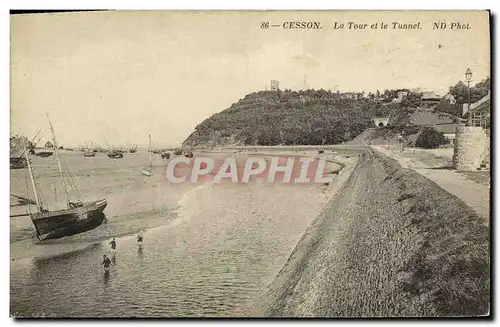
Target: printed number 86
{"x": 264, "y": 25}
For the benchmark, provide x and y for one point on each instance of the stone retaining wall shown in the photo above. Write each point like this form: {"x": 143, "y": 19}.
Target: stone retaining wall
{"x": 470, "y": 145}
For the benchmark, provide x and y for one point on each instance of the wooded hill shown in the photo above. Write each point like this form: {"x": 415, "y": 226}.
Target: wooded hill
{"x": 287, "y": 117}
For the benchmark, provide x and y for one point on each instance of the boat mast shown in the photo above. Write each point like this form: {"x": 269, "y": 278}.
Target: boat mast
{"x": 35, "y": 190}
{"x": 150, "y": 154}
{"x": 56, "y": 150}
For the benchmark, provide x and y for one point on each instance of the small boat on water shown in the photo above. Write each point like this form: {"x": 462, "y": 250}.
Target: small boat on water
{"x": 44, "y": 154}
{"x": 165, "y": 155}
{"x": 78, "y": 217}
{"x": 115, "y": 154}
{"x": 89, "y": 154}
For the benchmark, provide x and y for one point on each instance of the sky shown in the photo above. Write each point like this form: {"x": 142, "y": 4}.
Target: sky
{"x": 115, "y": 77}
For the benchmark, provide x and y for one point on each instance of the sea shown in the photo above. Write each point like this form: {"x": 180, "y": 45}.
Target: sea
{"x": 210, "y": 250}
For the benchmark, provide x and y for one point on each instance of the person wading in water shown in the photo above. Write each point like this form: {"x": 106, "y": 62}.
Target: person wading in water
{"x": 106, "y": 262}
{"x": 139, "y": 240}
{"x": 113, "y": 246}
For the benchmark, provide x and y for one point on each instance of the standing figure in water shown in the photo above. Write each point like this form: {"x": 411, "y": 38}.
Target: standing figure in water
{"x": 113, "y": 246}
{"x": 140, "y": 239}
{"x": 106, "y": 263}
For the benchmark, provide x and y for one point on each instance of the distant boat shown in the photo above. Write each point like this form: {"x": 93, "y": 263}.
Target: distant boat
{"x": 78, "y": 217}
{"x": 115, "y": 154}
{"x": 165, "y": 155}
{"x": 44, "y": 154}
{"x": 132, "y": 149}
{"x": 89, "y": 154}
{"x": 147, "y": 172}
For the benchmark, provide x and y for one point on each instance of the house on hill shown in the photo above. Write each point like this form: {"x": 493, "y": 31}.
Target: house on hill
{"x": 402, "y": 95}
{"x": 430, "y": 98}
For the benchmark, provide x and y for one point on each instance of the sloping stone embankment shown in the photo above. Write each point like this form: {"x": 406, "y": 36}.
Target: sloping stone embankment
{"x": 390, "y": 243}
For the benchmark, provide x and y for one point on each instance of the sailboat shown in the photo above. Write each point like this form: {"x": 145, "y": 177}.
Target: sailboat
{"x": 88, "y": 151}
{"x": 147, "y": 172}
{"x": 78, "y": 217}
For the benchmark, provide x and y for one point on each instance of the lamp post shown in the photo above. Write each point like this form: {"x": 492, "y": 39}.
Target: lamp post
{"x": 468, "y": 76}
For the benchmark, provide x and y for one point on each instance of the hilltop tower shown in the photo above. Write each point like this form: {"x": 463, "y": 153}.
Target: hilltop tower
{"x": 275, "y": 85}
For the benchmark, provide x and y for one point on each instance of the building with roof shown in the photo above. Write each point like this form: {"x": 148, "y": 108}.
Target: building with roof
{"x": 480, "y": 112}
{"x": 430, "y": 97}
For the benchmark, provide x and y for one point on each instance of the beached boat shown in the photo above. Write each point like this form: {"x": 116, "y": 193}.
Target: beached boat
{"x": 79, "y": 216}
{"x": 18, "y": 163}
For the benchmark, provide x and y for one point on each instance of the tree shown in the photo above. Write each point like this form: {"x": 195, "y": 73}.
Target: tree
{"x": 460, "y": 91}
{"x": 412, "y": 100}
{"x": 430, "y": 139}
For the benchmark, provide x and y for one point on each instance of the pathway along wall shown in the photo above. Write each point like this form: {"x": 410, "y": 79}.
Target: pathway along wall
{"x": 390, "y": 243}
{"x": 471, "y": 147}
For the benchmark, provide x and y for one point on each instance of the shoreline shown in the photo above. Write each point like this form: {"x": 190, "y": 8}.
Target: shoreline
{"x": 22, "y": 237}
